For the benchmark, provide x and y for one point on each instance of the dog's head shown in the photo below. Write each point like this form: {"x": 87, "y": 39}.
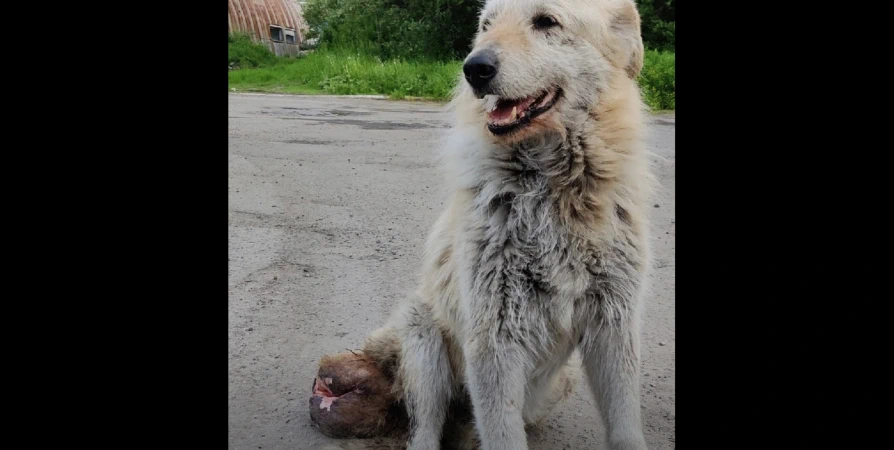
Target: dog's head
{"x": 536, "y": 62}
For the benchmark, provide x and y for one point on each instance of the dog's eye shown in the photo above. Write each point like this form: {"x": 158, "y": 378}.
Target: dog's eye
{"x": 485, "y": 25}
{"x": 544, "y": 22}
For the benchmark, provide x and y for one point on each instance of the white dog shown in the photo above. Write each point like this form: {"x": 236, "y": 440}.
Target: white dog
{"x": 543, "y": 247}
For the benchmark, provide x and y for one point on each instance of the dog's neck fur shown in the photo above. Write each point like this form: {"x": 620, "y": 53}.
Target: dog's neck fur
{"x": 582, "y": 170}
{"x": 590, "y": 168}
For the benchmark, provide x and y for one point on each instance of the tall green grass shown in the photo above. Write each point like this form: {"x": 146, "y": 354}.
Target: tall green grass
{"x": 347, "y": 73}
{"x": 344, "y": 72}
{"x": 243, "y": 53}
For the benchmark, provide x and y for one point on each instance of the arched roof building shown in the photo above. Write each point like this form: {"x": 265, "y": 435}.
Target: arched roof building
{"x": 278, "y": 24}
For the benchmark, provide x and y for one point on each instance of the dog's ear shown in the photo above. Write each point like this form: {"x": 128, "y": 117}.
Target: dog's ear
{"x": 625, "y": 24}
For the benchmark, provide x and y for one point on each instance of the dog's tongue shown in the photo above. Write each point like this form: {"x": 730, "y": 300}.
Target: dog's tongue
{"x": 502, "y": 114}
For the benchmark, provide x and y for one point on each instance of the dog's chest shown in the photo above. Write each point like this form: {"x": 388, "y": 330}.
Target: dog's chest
{"x": 526, "y": 266}
{"x": 534, "y": 242}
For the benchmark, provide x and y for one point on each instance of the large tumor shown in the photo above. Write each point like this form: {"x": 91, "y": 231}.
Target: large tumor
{"x": 353, "y": 398}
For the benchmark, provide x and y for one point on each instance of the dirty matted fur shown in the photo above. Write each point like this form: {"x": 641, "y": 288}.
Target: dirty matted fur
{"x": 543, "y": 247}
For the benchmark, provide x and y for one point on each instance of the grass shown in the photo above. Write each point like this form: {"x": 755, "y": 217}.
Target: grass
{"x": 348, "y": 73}
{"x": 342, "y": 72}
{"x": 243, "y": 53}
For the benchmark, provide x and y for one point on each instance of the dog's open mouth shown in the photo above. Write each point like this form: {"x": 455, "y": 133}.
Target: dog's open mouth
{"x": 507, "y": 115}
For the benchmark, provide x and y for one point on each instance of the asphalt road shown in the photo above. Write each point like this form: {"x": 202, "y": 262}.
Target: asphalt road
{"x": 329, "y": 203}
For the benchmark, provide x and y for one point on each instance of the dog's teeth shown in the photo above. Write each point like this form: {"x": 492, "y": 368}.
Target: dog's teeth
{"x": 514, "y": 113}
{"x": 490, "y": 102}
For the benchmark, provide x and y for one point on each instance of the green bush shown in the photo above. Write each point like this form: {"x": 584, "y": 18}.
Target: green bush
{"x": 242, "y": 53}
{"x": 438, "y": 29}
{"x": 428, "y": 31}
{"x": 658, "y": 80}
{"x": 658, "y": 23}
{"x": 418, "y": 29}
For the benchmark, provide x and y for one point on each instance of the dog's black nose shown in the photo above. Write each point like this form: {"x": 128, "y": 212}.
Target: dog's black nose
{"x": 480, "y": 68}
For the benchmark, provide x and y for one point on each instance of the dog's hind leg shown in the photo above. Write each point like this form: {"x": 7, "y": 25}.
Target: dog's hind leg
{"x": 427, "y": 378}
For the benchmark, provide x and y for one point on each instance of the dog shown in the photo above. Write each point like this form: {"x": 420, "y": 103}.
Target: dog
{"x": 543, "y": 248}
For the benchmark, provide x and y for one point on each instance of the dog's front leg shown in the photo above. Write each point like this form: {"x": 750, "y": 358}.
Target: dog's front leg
{"x": 610, "y": 351}
{"x": 495, "y": 378}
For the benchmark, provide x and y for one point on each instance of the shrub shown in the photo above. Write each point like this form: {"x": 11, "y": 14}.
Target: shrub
{"x": 658, "y": 80}
{"x": 419, "y": 29}
{"x": 658, "y": 23}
